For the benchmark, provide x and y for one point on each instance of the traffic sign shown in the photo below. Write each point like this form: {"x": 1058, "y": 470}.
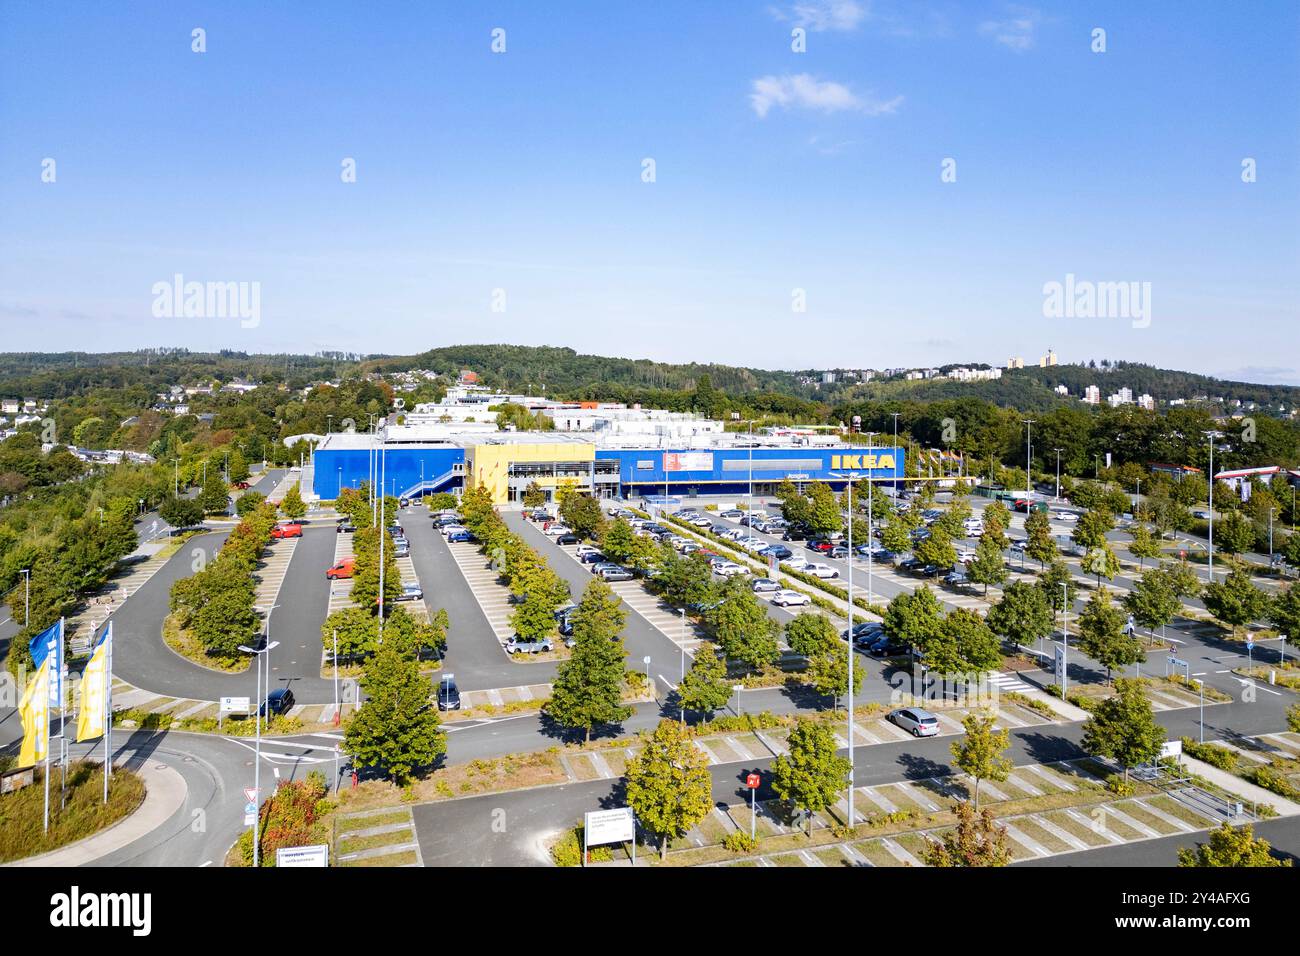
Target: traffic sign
{"x": 250, "y": 807}
{"x": 250, "y": 819}
{"x": 751, "y": 781}
{"x": 1250, "y": 643}
{"x": 251, "y": 794}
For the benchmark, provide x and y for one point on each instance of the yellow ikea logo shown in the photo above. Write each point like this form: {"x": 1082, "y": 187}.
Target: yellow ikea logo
{"x": 854, "y": 462}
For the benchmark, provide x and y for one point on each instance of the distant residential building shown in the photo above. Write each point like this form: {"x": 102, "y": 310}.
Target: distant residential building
{"x": 1092, "y": 395}
{"x": 913, "y": 375}
{"x": 1048, "y": 360}
{"x": 1061, "y": 390}
{"x": 10, "y": 406}
{"x": 1015, "y": 362}
{"x": 828, "y": 378}
{"x": 1147, "y": 402}
{"x": 974, "y": 374}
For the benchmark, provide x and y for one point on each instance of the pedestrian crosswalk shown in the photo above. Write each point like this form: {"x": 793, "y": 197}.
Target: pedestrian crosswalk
{"x": 1008, "y": 683}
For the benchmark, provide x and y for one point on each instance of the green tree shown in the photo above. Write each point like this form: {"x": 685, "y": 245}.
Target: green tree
{"x": 582, "y": 514}
{"x": 1102, "y": 562}
{"x": 1022, "y": 616}
{"x": 618, "y": 541}
{"x": 1144, "y": 544}
{"x": 215, "y": 496}
{"x": 1102, "y": 637}
{"x": 534, "y": 496}
{"x": 1284, "y": 613}
{"x": 964, "y": 644}
{"x": 181, "y": 512}
{"x": 1090, "y": 530}
{"x": 1231, "y": 846}
{"x": 808, "y": 632}
{"x": 812, "y": 775}
{"x": 916, "y": 618}
{"x": 896, "y": 536}
{"x": 976, "y": 840}
{"x": 1234, "y": 534}
{"x": 1040, "y": 545}
{"x": 248, "y": 502}
{"x": 989, "y": 567}
{"x": 743, "y": 628}
{"x": 980, "y": 753}
{"x": 292, "y": 506}
{"x": 823, "y": 511}
{"x": 1235, "y": 601}
{"x": 937, "y": 549}
{"x": 1152, "y": 601}
{"x": 588, "y": 688}
{"x": 669, "y": 786}
{"x": 396, "y": 730}
{"x": 828, "y": 672}
{"x": 1124, "y": 728}
{"x": 1051, "y": 582}
{"x": 705, "y": 687}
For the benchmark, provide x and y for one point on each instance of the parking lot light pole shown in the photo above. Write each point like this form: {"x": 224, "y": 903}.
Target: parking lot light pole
{"x": 1065, "y": 638}
{"x": 1201, "y": 686}
{"x": 1029, "y": 457}
{"x": 257, "y": 759}
{"x": 27, "y": 596}
{"x": 849, "y": 477}
{"x": 896, "y": 414}
{"x": 682, "y": 646}
{"x": 336, "y": 677}
{"x": 646, "y": 661}
{"x": 1058, "y": 473}
{"x": 1211, "y": 510}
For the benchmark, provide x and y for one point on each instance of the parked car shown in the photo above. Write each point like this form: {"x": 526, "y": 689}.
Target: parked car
{"x": 966, "y": 555}
{"x": 917, "y": 722}
{"x": 279, "y": 701}
{"x": 821, "y": 571}
{"x": 448, "y": 694}
{"x": 517, "y": 645}
{"x": 778, "y": 551}
{"x": 401, "y": 549}
{"x": 564, "y": 619}
{"x": 289, "y": 529}
{"x": 790, "y": 598}
{"x": 760, "y": 585}
{"x": 556, "y": 529}
{"x": 241, "y": 485}
{"x": 345, "y": 526}
{"x": 820, "y": 545}
{"x": 568, "y": 538}
{"x": 862, "y": 628}
{"x": 910, "y": 566}
{"x": 796, "y": 564}
{"x": 411, "y": 592}
{"x": 956, "y": 579}
{"x": 592, "y": 557}
{"x": 840, "y": 552}
{"x": 586, "y": 549}
{"x": 728, "y": 569}
{"x": 886, "y": 646}
{"x": 616, "y": 573}
{"x": 733, "y": 514}
{"x": 343, "y": 569}
{"x": 460, "y": 534}
{"x": 1064, "y": 516}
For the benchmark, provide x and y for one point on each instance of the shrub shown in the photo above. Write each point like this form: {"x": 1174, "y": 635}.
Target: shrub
{"x": 1213, "y": 754}
{"x": 738, "y": 841}
{"x": 1117, "y": 785}
{"x": 289, "y": 818}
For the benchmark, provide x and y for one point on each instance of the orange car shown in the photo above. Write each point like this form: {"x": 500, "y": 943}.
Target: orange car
{"x": 290, "y": 529}
{"x": 341, "y": 570}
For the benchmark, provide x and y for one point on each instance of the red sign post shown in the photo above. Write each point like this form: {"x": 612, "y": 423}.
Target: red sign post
{"x": 752, "y": 781}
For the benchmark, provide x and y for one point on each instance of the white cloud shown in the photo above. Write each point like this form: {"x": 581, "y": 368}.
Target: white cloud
{"x": 802, "y": 91}
{"x": 821, "y": 15}
{"x": 1016, "y": 32}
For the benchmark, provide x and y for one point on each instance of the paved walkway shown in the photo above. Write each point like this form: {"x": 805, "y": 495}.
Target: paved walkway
{"x": 164, "y": 794}
{"x": 1242, "y": 788}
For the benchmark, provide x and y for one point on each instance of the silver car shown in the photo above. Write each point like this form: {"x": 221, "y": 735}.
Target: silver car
{"x": 917, "y": 722}
{"x": 517, "y": 645}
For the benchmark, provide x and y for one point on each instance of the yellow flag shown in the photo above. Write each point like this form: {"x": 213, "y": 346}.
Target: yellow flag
{"x": 94, "y": 694}
{"x": 35, "y": 713}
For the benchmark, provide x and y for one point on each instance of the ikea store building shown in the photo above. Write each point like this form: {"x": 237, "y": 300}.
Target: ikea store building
{"x": 425, "y": 460}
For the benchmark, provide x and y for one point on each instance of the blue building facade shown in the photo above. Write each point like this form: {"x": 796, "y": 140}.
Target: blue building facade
{"x": 684, "y": 471}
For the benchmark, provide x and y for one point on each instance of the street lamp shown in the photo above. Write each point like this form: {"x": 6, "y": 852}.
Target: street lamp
{"x": 682, "y": 646}
{"x": 1065, "y": 638}
{"x": 1200, "y": 684}
{"x": 1210, "y": 512}
{"x": 850, "y": 477}
{"x": 646, "y": 661}
{"x": 1058, "y": 473}
{"x": 895, "y": 414}
{"x": 1029, "y": 458}
{"x": 257, "y": 760}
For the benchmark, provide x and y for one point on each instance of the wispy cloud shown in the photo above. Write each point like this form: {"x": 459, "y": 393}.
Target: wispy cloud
{"x": 1016, "y": 31}
{"x": 821, "y": 15}
{"x": 802, "y": 91}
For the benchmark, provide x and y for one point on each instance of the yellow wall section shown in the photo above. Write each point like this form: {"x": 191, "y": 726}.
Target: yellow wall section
{"x": 488, "y": 466}
{"x": 862, "y": 461}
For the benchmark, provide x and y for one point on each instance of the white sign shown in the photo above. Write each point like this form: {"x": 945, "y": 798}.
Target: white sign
{"x": 250, "y": 819}
{"x": 688, "y": 461}
{"x": 1171, "y": 748}
{"x": 303, "y": 856}
{"x": 609, "y": 826}
{"x": 235, "y": 705}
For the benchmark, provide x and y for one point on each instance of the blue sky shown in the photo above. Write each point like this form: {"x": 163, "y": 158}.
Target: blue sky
{"x": 774, "y": 171}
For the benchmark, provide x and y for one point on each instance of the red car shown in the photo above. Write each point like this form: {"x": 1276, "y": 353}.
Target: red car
{"x": 343, "y": 569}
{"x": 289, "y": 530}
{"x": 821, "y": 546}
{"x": 241, "y": 485}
